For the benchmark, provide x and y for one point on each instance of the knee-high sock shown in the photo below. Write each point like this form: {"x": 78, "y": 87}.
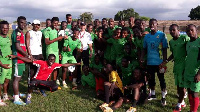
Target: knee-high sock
{"x": 191, "y": 102}
{"x": 107, "y": 94}
{"x": 196, "y": 104}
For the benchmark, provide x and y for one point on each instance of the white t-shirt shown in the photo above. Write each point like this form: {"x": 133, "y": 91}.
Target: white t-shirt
{"x": 35, "y": 42}
{"x": 85, "y": 39}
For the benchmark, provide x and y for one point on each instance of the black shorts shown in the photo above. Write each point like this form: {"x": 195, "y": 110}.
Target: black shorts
{"x": 48, "y": 85}
{"x": 117, "y": 93}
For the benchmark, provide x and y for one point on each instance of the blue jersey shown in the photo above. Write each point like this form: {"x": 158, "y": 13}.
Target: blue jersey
{"x": 152, "y": 43}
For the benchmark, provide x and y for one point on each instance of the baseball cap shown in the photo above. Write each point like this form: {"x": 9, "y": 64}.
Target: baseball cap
{"x": 36, "y": 21}
{"x": 82, "y": 24}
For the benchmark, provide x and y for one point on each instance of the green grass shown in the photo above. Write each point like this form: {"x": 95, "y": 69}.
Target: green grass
{"x": 83, "y": 100}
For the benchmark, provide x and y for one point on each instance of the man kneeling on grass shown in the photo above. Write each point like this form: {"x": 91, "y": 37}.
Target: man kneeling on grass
{"x": 45, "y": 68}
{"x": 135, "y": 92}
{"x": 113, "y": 88}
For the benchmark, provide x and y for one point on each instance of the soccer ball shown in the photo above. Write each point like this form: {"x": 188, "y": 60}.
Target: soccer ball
{"x": 71, "y": 68}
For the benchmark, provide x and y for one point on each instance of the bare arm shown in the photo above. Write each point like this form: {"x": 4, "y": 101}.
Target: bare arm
{"x": 91, "y": 50}
{"x": 164, "y": 54}
{"x": 67, "y": 65}
{"x": 170, "y": 57}
{"x": 136, "y": 85}
{"x": 24, "y": 59}
{"x": 6, "y": 66}
{"x": 28, "y": 43}
{"x": 20, "y": 50}
{"x": 47, "y": 41}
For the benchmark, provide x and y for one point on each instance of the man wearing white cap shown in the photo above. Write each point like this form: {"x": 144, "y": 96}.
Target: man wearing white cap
{"x": 34, "y": 46}
{"x": 86, "y": 42}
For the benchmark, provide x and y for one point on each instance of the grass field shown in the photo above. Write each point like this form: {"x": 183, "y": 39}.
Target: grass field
{"x": 83, "y": 100}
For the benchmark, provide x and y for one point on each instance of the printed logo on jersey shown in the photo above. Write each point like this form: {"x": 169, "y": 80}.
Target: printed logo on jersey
{"x": 18, "y": 35}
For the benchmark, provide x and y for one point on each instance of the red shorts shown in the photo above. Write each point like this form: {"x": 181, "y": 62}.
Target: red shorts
{"x": 99, "y": 83}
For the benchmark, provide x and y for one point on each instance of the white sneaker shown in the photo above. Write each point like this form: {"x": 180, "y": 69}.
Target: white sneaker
{"x": 57, "y": 82}
{"x": 5, "y": 98}
{"x": 131, "y": 109}
{"x": 65, "y": 85}
{"x": 74, "y": 84}
{"x": 2, "y": 103}
{"x": 186, "y": 94}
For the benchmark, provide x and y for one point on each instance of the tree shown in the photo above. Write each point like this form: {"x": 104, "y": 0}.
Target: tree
{"x": 2, "y": 20}
{"x": 14, "y": 21}
{"x": 86, "y": 17}
{"x": 144, "y": 18}
{"x": 126, "y": 14}
{"x": 195, "y": 13}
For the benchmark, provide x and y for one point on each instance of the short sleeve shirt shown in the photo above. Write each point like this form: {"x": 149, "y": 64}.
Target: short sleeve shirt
{"x": 98, "y": 67}
{"x": 44, "y": 70}
{"x": 114, "y": 77}
{"x": 152, "y": 43}
{"x": 127, "y": 74}
{"x": 51, "y": 34}
{"x": 69, "y": 26}
{"x": 93, "y": 36}
{"x": 5, "y": 50}
{"x": 89, "y": 80}
{"x": 85, "y": 39}
{"x": 18, "y": 37}
{"x": 192, "y": 63}
{"x": 178, "y": 48}
{"x": 72, "y": 44}
{"x": 138, "y": 42}
{"x": 117, "y": 44}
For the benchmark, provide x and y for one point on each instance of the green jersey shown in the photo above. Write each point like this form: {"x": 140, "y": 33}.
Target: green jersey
{"x": 107, "y": 54}
{"x": 130, "y": 30}
{"x": 178, "y": 48}
{"x": 72, "y": 44}
{"x": 69, "y": 26}
{"x": 60, "y": 43}
{"x": 117, "y": 45}
{"x": 138, "y": 43}
{"x": 89, "y": 80}
{"x": 98, "y": 67}
{"x": 93, "y": 36}
{"x": 43, "y": 44}
{"x": 111, "y": 31}
{"x": 147, "y": 29}
{"x": 127, "y": 74}
{"x": 51, "y": 34}
{"x": 5, "y": 50}
{"x": 192, "y": 63}
{"x": 18, "y": 37}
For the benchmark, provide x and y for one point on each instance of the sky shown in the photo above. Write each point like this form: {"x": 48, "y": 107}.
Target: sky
{"x": 42, "y": 9}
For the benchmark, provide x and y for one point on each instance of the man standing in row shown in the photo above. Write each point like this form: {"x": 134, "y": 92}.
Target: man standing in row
{"x": 19, "y": 49}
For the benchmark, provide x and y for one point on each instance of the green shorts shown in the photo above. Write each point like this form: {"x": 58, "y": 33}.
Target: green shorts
{"x": 18, "y": 69}
{"x": 178, "y": 75}
{"x": 5, "y": 74}
{"x": 68, "y": 59}
{"x": 56, "y": 54}
{"x": 189, "y": 83}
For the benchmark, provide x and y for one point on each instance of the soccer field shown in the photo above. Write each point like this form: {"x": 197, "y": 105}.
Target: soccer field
{"x": 83, "y": 99}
